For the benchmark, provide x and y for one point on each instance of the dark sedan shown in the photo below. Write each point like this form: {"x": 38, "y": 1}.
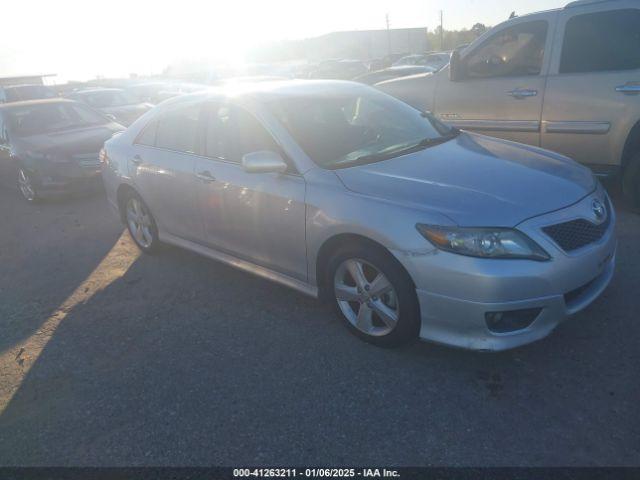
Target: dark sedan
{"x": 114, "y": 102}
{"x": 52, "y": 146}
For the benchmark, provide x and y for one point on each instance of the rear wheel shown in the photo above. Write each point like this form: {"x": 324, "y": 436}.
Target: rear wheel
{"x": 27, "y": 186}
{"x": 631, "y": 181}
{"x": 141, "y": 224}
{"x": 374, "y": 295}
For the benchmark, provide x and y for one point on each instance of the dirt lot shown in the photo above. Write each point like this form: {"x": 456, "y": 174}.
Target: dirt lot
{"x": 111, "y": 358}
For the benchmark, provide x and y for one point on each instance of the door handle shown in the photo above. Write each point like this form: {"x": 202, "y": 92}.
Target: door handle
{"x": 137, "y": 159}
{"x": 206, "y": 176}
{"x": 520, "y": 93}
{"x": 630, "y": 88}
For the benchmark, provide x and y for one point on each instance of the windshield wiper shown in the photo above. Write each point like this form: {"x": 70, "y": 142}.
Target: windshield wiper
{"x": 421, "y": 145}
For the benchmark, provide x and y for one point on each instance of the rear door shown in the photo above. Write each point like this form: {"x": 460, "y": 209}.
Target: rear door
{"x": 163, "y": 169}
{"x": 593, "y": 90}
{"x": 501, "y": 91}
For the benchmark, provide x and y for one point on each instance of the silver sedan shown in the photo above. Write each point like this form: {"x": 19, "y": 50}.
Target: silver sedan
{"x": 410, "y": 228}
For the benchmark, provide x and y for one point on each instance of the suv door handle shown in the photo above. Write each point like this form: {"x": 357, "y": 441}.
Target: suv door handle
{"x": 630, "y": 88}
{"x": 137, "y": 159}
{"x": 206, "y": 176}
{"x": 520, "y": 93}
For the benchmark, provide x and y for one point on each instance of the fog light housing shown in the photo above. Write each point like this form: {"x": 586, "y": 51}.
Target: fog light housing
{"x": 511, "y": 320}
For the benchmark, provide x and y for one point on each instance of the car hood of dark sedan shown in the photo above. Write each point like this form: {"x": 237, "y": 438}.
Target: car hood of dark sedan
{"x": 476, "y": 180}
{"x": 68, "y": 142}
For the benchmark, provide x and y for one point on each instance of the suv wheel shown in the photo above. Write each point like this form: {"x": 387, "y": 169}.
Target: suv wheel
{"x": 141, "y": 224}
{"x": 373, "y": 295}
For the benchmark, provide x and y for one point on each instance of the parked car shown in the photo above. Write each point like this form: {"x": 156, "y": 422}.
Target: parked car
{"x": 372, "y": 78}
{"x": 434, "y": 60}
{"x": 339, "y": 69}
{"x": 180, "y": 88}
{"x": 567, "y": 80}
{"x": 386, "y": 61}
{"x": 411, "y": 228}
{"x": 113, "y": 102}
{"x": 51, "y": 146}
{"x": 147, "y": 92}
{"x": 18, "y": 93}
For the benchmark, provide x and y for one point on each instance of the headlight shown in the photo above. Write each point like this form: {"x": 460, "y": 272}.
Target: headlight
{"x": 483, "y": 242}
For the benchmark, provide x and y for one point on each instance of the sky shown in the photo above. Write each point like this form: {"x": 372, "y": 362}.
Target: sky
{"x": 84, "y": 39}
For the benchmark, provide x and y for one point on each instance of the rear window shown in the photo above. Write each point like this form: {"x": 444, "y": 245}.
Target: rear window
{"x": 603, "y": 41}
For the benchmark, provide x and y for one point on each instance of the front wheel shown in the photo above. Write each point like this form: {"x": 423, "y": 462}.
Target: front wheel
{"x": 374, "y": 296}
{"x": 141, "y": 224}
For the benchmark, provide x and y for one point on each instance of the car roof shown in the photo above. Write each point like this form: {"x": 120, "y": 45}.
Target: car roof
{"x": 268, "y": 90}
{"x": 43, "y": 101}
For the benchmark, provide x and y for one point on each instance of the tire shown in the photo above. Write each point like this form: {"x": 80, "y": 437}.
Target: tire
{"x": 27, "y": 186}
{"x": 631, "y": 181}
{"x": 382, "y": 301}
{"x": 140, "y": 223}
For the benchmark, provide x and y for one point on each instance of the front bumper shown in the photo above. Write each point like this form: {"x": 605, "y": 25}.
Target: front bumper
{"x": 461, "y": 323}
{"x": 64, "y": 178}
{"x": 456, "y": 292}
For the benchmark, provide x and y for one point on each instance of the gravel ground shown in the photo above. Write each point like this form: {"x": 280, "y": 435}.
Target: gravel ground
{"x": 111, "y": 358}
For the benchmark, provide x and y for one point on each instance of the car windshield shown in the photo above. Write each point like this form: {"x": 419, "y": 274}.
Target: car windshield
{"x": 341, "y": 131}
{"x": 108, "y": 98}
{"x": 27, "y": 120}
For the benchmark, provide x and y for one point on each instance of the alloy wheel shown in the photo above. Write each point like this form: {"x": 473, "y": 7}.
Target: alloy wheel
{"x": 366, "y": 297}
{"x": 139, "y": 222}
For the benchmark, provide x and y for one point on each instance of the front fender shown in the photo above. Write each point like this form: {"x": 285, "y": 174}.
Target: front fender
{"x": 333, "y": 210}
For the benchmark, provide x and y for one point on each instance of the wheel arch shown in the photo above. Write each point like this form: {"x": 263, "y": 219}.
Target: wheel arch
{"x": 124, "y": 190}
{"x": 631, "y": 145}
{"x": 333, "y": 244}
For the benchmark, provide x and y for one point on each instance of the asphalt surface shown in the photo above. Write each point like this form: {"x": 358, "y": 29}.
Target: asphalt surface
{"x": 110, "y": 358}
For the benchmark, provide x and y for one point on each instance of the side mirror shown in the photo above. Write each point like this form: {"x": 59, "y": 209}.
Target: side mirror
{"x": 456, "y": 67}
{"x": 263, "y": 161}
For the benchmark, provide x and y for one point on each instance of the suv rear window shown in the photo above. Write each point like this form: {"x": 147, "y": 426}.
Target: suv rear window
{"x": 603, "y": 41}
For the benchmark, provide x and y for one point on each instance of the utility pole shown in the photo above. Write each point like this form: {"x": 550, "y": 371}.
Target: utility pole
{"x": 388, "y": 35}
{"x": 441, "y": 33}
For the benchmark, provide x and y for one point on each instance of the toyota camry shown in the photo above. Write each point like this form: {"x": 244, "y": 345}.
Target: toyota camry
{"x": 409, "y": 227}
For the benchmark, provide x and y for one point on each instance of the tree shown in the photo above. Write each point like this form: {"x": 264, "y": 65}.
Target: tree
{"x": 478, "y": 29}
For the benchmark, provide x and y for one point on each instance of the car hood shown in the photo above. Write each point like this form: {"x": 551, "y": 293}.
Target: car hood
{"x": 476, "y": 180}
{"x": 68, "y": 142}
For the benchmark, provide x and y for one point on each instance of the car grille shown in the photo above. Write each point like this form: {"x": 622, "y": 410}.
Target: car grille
{"x": 578, "y": 233}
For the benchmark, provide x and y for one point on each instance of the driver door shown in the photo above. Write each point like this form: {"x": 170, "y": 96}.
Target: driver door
{"x": 503, "y": 80}
{"x": 259, "y": 217}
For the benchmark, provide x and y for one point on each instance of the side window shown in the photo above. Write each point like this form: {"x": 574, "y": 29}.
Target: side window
{"x": 515, "y": 51}
{"x": 217, "y": 132}
{"x": 148, "y": 135}
{"x": 178, "y": 129}
{"x": 603, "y": 41}
{"x": 233, "y": 132}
